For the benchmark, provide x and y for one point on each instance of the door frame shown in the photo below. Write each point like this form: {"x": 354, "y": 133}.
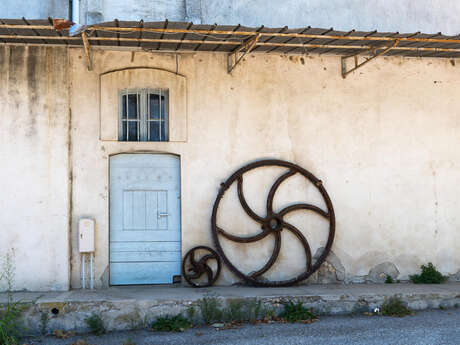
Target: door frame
{"x": 109, "y": 198}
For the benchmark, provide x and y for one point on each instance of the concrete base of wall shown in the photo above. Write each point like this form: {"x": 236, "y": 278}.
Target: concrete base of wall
{"x": 124, "y": 308}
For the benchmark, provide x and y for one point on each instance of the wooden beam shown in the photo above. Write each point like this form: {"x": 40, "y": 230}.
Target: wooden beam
{"x": 36, "y": 27}
{"x": 374, "y": 53}
{"x": 233, "y": 43}
{"x": 244, "y": 33}
{"x": 278, "y": 34}
{"x": 87, "y": 50}
{"x": 233, "y": 59}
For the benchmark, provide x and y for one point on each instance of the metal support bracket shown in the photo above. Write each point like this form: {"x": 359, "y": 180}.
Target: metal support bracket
{"x": 372, "y": 51}
{"x": 88, "y": 52}
{"x": 238, "y": 54}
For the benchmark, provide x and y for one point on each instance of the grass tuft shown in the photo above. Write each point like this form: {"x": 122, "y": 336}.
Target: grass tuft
{"x": 389, "y": 280}
{"x": 210, "y": 308}
{"x": 10, "y": 325}
{"x": 295, "y": 312}
{"x": 429, "y": 275}
{"x": 176, "y": 323}
{"x": 394, "y": 306}
{"x": 96, "y": 324}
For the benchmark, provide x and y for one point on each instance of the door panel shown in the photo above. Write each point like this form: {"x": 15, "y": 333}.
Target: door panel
{"x": 144, "y": 236}
{"x": 145, "y": 246}
{"x": 158, "y": 255}
{"x": 142, "y": 273}
{"x": 135, "y": 206}
{"x": 144, "y": 219}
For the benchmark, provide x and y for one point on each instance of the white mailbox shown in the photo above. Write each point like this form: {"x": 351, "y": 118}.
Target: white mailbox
{"x": 86, "y": 235}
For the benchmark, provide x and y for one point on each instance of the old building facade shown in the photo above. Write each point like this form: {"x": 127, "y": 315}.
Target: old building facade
{"x": 142, "y": 142}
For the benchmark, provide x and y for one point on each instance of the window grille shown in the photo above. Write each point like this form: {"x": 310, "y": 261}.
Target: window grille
{"x": 143, "y": 115}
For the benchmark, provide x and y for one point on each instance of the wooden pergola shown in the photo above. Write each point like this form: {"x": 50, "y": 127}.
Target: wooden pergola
{"x": 236, "y": 41}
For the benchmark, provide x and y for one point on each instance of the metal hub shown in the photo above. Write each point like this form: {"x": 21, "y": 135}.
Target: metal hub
{"x": 274, "y": 223}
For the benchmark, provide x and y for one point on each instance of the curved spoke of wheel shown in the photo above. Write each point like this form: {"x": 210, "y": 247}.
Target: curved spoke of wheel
{"x": 205, "y": 258}
{"x": 192, "y": 259}
{"x": 310, "y": 207}
{"x": 303, "y": 240}
{"x": 276, "y": 184}
{"x": 243, "y": 239}
{"x": 244, "y": 204}
{"x": 208, "y": 272}
{"x": 195, "y": 275}
{"x": 195, "y": 267}
{"x": 274, "y": 256}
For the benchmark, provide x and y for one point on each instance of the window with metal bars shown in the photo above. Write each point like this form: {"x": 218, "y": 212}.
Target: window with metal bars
{"x": 143, "y": 115}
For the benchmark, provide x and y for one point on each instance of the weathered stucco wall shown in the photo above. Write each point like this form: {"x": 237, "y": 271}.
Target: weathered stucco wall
{"x": 95, "y": 11}
{"x": 34, "y": 9}
{"x": 34, "y": 117}
{"x": 382, "y": 15}
{"x": 384, "y": 141}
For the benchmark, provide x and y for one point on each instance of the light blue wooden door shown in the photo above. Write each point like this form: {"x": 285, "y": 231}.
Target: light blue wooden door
{"x": 144, "y": 219}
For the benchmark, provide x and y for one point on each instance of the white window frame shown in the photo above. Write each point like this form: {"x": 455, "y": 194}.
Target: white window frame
{"x": 143, "y": 111}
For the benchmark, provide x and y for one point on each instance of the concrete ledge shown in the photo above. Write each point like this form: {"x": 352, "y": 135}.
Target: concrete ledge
{"x": 135, "y": 307}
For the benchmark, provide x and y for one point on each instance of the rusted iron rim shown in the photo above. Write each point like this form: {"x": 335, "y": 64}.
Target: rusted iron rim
{"x": 273, "y": 223}
{"x": 193, "y": 269}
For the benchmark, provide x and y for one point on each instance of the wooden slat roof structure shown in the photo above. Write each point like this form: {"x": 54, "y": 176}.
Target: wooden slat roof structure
{"x": 183, "y": 36}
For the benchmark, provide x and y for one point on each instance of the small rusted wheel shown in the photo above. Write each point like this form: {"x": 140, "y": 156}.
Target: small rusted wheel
{"x": 273, "y": 223}
{"x": 193, "y": 267}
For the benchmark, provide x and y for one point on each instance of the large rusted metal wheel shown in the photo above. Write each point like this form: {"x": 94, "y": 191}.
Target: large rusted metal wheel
{"x": 273, "y": 223}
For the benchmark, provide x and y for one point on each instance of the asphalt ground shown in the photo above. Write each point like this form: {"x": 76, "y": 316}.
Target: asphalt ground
{"x": 425, "y": 328}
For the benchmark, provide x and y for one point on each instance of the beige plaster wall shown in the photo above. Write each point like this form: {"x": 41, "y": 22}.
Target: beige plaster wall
{"x": 384, "y": 141}
{"x": 34, "y": 207}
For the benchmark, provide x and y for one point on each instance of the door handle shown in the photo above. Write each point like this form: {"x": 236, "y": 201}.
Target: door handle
{"x": 162, "y": 215}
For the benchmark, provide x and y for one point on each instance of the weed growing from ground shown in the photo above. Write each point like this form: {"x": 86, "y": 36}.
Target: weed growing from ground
{"x": 394, "y": 306}
{"x": 236, "y": 311}
{"x": 10, "y": 326}
{"x": 389, "y": 280}
{"x": 429, "y": 275}
{"x": 253, "y": 310}
{"x": 192, "y": 314}
{"x": 210, "y": 309}
{"x": 44, "y": 320}
{"x": 294, "y": 312}
{"x": 267, "y": 313}
{"x": 96, "y": 324}
{"x": 176, "y": 323}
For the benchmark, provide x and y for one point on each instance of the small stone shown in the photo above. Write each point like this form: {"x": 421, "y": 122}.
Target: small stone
{"x": 455, "y": 277}
{"x": 379, "y": 273}
{"x": 331, "y": 271}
